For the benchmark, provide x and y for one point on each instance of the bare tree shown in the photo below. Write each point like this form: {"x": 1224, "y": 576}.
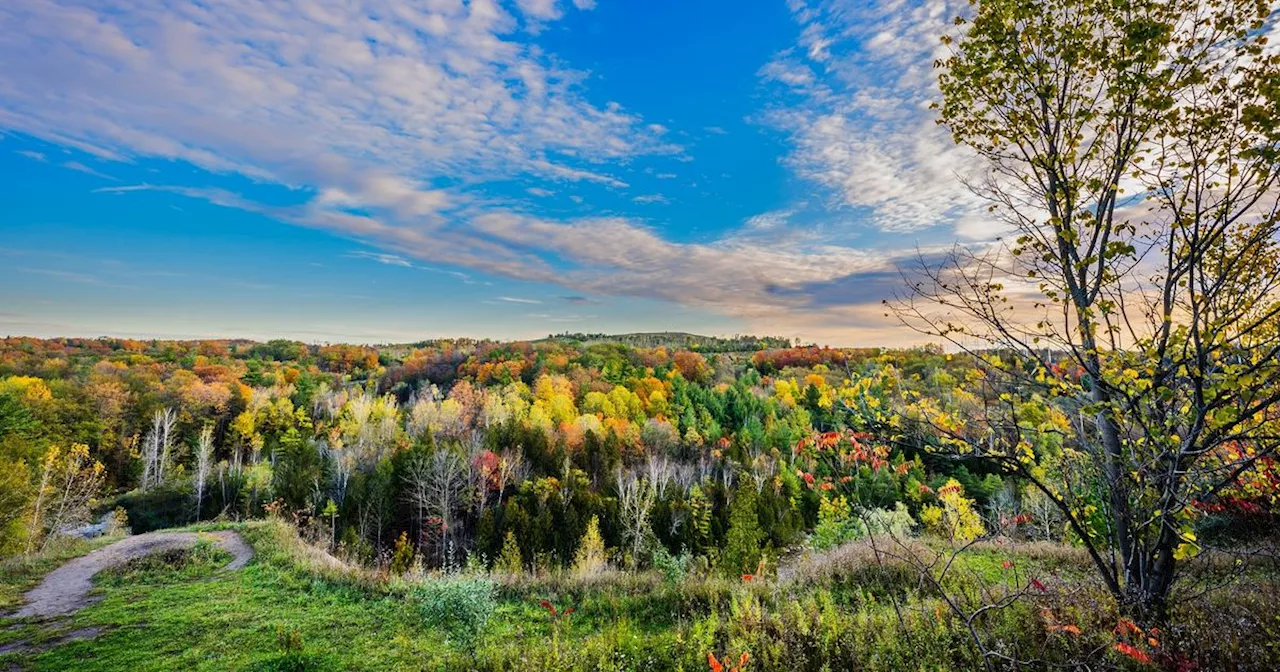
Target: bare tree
{"x": 156, "y": 447}
{"x": 636, "y": 497}
{"x": 204, "y": 458}
{"x": 512, "y": 469}
{"x": 660, "y": 471}
{"x": 437, "y": 485}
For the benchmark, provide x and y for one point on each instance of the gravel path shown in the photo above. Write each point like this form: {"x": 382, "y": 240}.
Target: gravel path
{"x": 66, "y": 589}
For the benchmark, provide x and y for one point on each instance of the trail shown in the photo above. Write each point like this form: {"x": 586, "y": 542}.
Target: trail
{"x": 66, "y": 589}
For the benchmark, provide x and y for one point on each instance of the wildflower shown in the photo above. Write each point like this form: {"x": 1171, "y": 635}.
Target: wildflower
{"x": 1035, "y": 583}
{"x": 748, "y": 577}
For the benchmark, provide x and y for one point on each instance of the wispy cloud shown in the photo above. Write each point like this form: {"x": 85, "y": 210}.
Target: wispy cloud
{"x": 81, "y": 168}
{"x": 382, "y": 258}
{"x": 370, "y": 107}
{"x": 68, "y": 276}
{"x": 854, "y": 96}
{"x": 651, "y": 198}
{"x": 33, "y": 155}
{"x": 402, "y": 119}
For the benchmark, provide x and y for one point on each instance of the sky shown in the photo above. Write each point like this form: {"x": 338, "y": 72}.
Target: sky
{"x": 345, "y": 171}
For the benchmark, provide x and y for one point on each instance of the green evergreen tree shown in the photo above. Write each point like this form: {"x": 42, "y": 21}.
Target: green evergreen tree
{"x": 742, "y": 550}
{"x": 510, "y": 562}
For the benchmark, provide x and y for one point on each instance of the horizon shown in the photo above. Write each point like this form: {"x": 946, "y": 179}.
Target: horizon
{"x": 494, "y": 169}
{"x": 429, "y": 339}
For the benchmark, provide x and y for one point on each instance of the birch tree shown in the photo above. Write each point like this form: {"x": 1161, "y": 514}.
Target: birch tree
{"x": 204, "y": 462}
{"x": 157, "y": 446}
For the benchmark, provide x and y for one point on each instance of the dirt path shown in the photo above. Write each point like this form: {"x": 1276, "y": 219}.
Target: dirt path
{"x": 66, "y": 589}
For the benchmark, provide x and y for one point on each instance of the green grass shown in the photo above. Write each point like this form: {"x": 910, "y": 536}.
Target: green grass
{"x": 286, "y": 612}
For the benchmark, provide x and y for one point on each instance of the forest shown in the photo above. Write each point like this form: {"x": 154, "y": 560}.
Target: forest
{"x": 555, "y": 468}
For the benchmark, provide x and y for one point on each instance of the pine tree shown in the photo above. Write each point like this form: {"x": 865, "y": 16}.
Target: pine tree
{"x": 744, "y": 539}
{"x": 510, "y": 562}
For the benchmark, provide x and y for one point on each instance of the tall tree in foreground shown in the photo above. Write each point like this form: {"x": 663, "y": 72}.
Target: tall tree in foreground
{"x": 1132, "y": 151}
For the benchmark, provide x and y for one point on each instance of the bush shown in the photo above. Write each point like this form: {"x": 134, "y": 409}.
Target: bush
{"x": 402, "y": 560}
{"x": 168, "y": 505}
{"x": 836, "y": 525}
{"x": 460, "y": 606}
{"x": 674, "y": 568}
{"x": 897, "y": 522}
{"x": 956, "y": 520}
{"x": 590, "y": 556}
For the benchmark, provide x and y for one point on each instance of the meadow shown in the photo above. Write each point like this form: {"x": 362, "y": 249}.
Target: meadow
{"x": 295, "y": 609}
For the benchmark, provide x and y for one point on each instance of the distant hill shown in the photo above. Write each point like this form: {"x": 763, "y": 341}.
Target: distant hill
{"x": 678, "y": 339}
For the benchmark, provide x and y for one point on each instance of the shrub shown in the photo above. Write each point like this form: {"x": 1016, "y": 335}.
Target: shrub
{"x": 510, "y": 562}
{"x": 897, "y": 522}
{"x": 590, "y": 556}
{"x": 674, "y": 568}
{"x": 956, "y": 520}
{"x": 836, "y": 525}
{"x": 402, "y": 560}
{"x": 460, "y": 606}
{"x": 167, "y": 505}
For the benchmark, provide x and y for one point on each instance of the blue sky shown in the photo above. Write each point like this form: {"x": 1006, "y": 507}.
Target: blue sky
{"x": 391, "y": 171}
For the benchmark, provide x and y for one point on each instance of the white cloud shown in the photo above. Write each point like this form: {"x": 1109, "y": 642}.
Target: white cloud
{"x": 651, "y": 198}
{"x": 35, "y": 156}
{"x": 371, "y": 105}
{"x": 395, "y": 118}
{"x": 857, "y": 88}
{"x": 382, "y": 258}
{"x": 768, "y": 221}
{"x": 541, "y": 10}
{"x": 81, "y": 168}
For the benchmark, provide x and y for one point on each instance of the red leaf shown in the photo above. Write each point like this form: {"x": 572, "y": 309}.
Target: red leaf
{"x": 1133, "y": 652}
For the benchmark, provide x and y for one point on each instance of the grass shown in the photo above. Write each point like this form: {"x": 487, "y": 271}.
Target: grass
{"x": 21, "y": 573}
{"x": 296, "y": 608}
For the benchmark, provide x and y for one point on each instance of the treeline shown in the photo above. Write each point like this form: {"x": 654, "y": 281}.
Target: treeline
{"x": 678, "y": 340}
